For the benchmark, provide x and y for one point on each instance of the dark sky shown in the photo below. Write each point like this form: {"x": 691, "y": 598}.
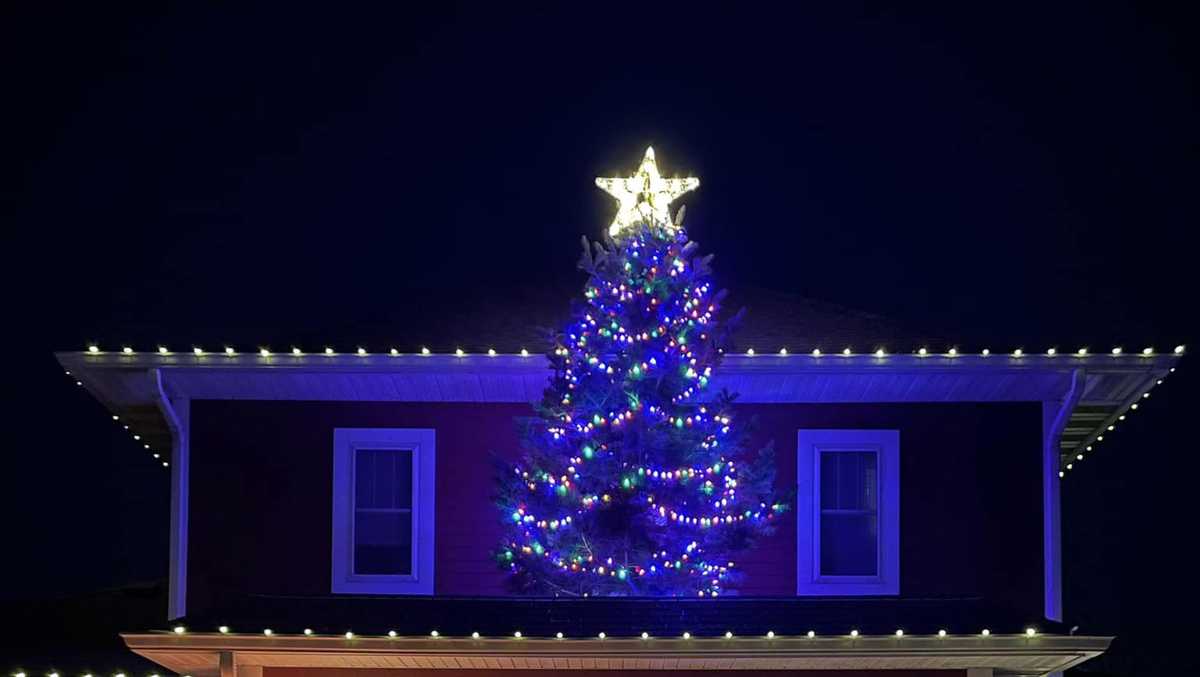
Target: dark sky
{"x": 1007, "y": 173}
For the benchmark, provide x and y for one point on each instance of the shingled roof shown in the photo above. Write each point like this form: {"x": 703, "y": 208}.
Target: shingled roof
{"x": 772, "y": 319}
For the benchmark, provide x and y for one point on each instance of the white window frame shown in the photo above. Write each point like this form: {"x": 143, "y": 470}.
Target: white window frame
{"x": 422, "y": 443}
{"x": 809, "y": 446}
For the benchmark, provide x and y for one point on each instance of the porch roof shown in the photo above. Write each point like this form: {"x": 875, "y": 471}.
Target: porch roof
{"x": 227, "y": 655}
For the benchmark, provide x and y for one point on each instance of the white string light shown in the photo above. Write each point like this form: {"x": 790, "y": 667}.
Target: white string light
{"x": 1030, "y": 632}
{"x": 922, "y": 351}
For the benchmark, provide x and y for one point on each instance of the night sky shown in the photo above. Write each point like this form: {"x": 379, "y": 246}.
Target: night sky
{"x": 1014, "y": 175}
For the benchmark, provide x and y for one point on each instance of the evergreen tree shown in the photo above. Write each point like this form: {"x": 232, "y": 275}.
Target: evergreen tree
{"x": 634, "y": 480}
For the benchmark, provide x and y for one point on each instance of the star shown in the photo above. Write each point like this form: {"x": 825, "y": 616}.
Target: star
{"x": 644, "y": 197}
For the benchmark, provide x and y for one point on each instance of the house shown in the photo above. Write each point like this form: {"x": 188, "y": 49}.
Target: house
{"x": 966, "y": 447}
{"x": 333, "y": 513}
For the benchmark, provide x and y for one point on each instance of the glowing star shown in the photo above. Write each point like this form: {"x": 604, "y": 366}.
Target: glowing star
{"x": 644, "y": 197}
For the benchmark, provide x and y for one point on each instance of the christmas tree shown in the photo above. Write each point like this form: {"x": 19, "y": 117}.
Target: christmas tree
{"x": 634, "y": 479}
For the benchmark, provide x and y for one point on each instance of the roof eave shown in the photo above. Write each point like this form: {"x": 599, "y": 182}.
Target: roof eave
{"x": 200, "y": 654}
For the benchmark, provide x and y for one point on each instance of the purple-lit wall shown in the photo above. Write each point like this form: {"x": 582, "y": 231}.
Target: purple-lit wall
{"x": 260, "y": 522}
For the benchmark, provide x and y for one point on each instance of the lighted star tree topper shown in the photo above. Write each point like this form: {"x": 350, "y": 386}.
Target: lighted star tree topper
{"x": 644, "y": 197}
{"x": 633, "y": 480}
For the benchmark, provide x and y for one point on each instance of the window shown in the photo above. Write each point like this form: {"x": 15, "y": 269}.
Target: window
{"x": 383, "y": 491}
{"x": 848, "y": 512}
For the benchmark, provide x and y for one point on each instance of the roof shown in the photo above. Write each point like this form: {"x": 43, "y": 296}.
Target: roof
{"x": 508, "y": 320}
{"x": 200, "y": 654}
{"x": 1092, "y": 391}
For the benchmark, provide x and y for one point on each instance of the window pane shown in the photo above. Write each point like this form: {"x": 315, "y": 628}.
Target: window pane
{"x": 382, "y": 542}
{"x": 849, "y": 513}
{"x": 849, "y": 480}
{"x": 383, "y": 478}
{"x": 848, "y": 544}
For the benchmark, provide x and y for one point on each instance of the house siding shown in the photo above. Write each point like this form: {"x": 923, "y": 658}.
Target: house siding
{"x": 261, "y": 494}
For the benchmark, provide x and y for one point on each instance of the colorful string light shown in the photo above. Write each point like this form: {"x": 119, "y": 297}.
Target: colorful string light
{"x": 630, "y": 467}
